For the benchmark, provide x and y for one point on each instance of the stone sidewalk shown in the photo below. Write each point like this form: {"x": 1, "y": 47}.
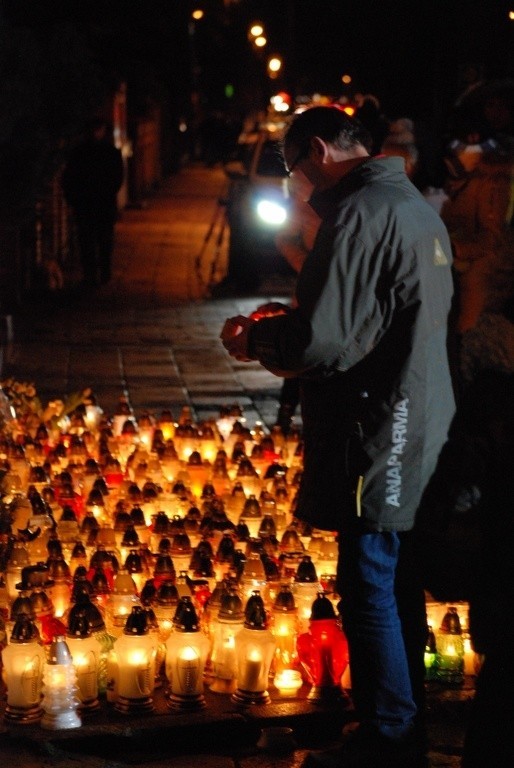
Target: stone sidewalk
{"x": 219, "y": 736}
{"x": 152, "y": 335}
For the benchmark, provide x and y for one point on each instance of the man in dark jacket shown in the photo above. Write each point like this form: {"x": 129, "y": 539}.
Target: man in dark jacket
{"x": 91, "y": 180}
{"x": 368, "y": 340}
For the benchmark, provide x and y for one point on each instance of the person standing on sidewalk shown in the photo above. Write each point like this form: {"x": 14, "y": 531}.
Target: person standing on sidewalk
{"x": 368, "y": 340}
{"x": 91, "y": 180}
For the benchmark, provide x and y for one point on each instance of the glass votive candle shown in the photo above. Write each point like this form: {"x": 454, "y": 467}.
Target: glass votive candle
{"x": 288, "y": 682}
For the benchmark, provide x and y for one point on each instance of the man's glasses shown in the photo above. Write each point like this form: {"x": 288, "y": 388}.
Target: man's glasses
{"x": 302, "y": 154}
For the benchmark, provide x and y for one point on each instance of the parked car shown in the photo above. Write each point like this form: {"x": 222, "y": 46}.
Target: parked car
{"x": 258, "y": 205}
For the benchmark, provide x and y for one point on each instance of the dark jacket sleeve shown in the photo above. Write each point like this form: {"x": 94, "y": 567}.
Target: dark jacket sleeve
{"x": 347, "y": 295}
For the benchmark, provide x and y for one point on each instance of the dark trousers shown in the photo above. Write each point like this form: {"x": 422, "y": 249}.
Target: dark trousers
{"x": 384, "y": 618}
{"x": 95, "y": 238}
{"x": 289, "y": 400}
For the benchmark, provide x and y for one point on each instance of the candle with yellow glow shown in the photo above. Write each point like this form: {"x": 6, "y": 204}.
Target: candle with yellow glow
{"x": 288, "y": 682}
{"x": 250, "y": 678}
{"x": 470, "y": 657}
{"x": 188, "y": 670}
{"x": 166, "y": 425}
{"x": 285, "y": 628}
{"x": 450, "y": 649}
{"x": 208, "y": 445}
{"x": 23, "y": 662}
{"x": 136, "y": 680}
{"x": 255, "y": 645}
{"x": 85, "y": 653}
{"x": 134, "y": 666}
{"x": 228, "y": 624}
{"x": 186, "y": 656}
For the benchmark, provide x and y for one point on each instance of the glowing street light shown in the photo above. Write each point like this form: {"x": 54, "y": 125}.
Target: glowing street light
{"x": 256, "y": 34}
{"x": 274, "y": 65}
{"x": 256, "y": 30}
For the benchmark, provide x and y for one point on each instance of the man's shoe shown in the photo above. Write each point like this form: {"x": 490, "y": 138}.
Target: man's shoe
{"x": 365, "y": 749}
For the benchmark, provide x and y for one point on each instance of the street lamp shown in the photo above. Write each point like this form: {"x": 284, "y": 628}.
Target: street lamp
{"x": 274, "y": 66}
{"x": 256, "y": 30}
{"x": 256, "y": 35}
{"x": 195, "y": 69}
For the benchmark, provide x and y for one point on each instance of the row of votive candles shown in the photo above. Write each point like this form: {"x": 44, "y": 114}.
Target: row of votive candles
{"x": 238, "y": 657}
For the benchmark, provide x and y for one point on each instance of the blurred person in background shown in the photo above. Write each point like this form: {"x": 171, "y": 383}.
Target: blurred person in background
{"x": 498, "y": 112}
{"x": 91, "y": 181}
{"x": 400, "y": 142}
{"x": 370, "y": 116}
{"x": 479, "y": 209}
{"x": 408, "y": 139}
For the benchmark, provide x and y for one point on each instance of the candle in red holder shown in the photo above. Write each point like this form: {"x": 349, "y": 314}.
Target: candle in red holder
{"x": 323, "y": 652}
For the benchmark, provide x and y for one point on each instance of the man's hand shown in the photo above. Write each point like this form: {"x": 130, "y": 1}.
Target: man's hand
{"x": 271, "y": 309}
{"x": 235, "y": 337}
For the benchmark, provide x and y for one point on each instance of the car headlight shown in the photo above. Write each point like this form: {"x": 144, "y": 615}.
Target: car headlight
{"x": 271, "y": 212}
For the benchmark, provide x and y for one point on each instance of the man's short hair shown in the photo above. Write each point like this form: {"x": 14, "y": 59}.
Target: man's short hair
{"x": 331, "y": 124}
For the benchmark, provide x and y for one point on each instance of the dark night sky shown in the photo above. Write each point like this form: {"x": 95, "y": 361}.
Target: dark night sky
{"x": 61, "y": 61}
{"x": 407, "y": 52}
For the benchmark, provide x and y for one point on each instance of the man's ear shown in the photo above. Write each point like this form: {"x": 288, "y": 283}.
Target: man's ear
{"x": 319, "y": 149}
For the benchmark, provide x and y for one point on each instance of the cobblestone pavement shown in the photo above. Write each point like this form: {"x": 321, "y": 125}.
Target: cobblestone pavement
{"x": 152, "y": 333}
